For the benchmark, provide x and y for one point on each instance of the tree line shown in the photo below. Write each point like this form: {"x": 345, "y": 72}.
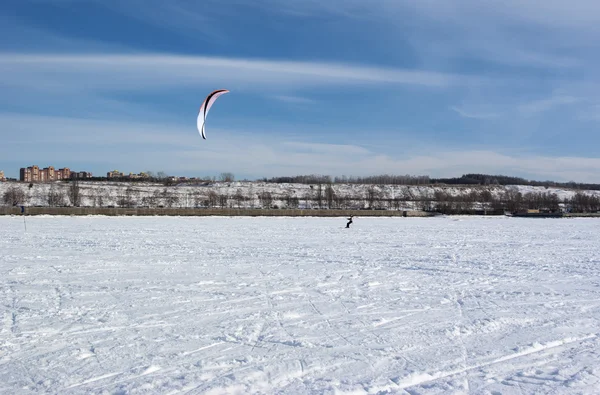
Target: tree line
{"x": 465, "y": 179}
{"x": 486, "y": 179}
{"x": 383, "y": 179}
{"x": 375, "y": 180}
{"x": 319, "y": 196}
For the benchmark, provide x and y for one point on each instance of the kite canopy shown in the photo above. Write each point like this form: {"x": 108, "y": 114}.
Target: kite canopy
{"x": 206, "y": 105}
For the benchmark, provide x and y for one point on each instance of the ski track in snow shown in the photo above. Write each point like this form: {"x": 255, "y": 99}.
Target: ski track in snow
{"x": 217, "y": 305}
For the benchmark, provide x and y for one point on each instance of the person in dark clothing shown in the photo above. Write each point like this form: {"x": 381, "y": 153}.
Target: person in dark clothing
{"x": 349, "y": 221}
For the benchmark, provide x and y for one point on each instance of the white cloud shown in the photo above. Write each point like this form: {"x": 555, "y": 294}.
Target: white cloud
{"x": 148, "y": 71}
{"x": 38, "y": 131}
{"x": 511, "y": 32}
{"x": 554, "y": 12}
{"x": 514, "y": 33}
{"x": 178, "y": 149}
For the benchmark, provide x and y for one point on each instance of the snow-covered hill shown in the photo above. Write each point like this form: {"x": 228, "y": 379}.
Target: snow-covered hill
{"x": 255, "y": 194}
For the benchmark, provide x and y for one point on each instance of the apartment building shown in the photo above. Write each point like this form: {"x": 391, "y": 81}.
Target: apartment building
{"x": 35, "y": 174}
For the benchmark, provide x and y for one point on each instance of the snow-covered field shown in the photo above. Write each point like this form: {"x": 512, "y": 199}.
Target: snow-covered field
{"x": 147, "y": 305}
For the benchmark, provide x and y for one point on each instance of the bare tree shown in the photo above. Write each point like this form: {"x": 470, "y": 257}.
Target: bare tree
{"x": 99, "y": 197}
{"x": 150, "y": 200}
{"x": 425, "y": 201}
{"x": 189, "y": 198}
{"x": 397, "y": 202}
{"x": 514, "y": 199}
{"x": 223, "y": 198}
{"x": 238, "y": 197}
{"x": 153, "y": 200}
{"x": 56, "y": 196}
{"x": 356, "y": 200}
{"x": 371, "y": 196}
{"x": 308, "y": 198}
{"x": 319, "y": 195}
{"x": 212, "y": 199}
{"x": 462, "y": 203}
{"x": 132, "y": 195}
{"x": 14, "y": 196}
{"x": 291, "y": 201}
{"x": 486, "y": 199}
{"x": 226, "y": 177}
{"x": 554, "y": 202}
{"x": 197, "y": 198}
{"x": 442, "y": 201}
{"x": 470, "y": 199}
{"x": 330, "y": 196}
{"x": 581, "y": 202}
{"x": 265, "y": 199}
{"x": 341, "y": 201}
{"x": 169, "y": 198}
{"x": 250, "y": 197}
{"x": 74, "y": 192}
{"x": 121, "y": 199}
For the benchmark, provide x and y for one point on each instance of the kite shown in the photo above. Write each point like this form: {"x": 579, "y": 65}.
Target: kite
{"x": 206, "y": 105}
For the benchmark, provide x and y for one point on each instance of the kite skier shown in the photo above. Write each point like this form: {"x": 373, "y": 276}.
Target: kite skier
{"x": 349, "y": 221}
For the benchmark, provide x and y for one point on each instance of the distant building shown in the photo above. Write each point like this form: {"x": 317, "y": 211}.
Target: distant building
{"x": 30, "y": 174}
{"x": 138, "y": 176}
{"x": 81, "y": 174}
{"x": 35, "y": 174}
{"x": 47, "y": 174}
{"x": 118, "y": 174}
{"x": 2, "y": 178}
{"x": 63, "y": 174}
{"x": 114, "y": 174}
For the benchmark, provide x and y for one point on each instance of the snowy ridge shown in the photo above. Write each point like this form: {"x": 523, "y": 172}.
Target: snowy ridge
{"x": 106, "y": 194}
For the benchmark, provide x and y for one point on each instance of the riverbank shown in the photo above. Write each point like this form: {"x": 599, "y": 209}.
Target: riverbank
{"x": 231, "y": 212}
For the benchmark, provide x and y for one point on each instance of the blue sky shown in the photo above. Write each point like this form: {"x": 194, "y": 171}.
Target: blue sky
{"x": 437, "y": 88}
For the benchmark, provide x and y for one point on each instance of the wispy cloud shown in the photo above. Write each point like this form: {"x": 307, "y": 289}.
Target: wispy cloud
{"x": 147, "y": 71}
{"x": 479, "y": 61}
{"x": 38, "y": 131}
{"x": 179, "y": 150}
{"x": 554, "y": 12}
{"x": 190, "y": 14}
{"x": 538, "y": 106}
{"x": 504, "y": 32}
{"x": 24, "y": 38}
{"x": 514, "y": 33}
{"x": 473, "y": 114}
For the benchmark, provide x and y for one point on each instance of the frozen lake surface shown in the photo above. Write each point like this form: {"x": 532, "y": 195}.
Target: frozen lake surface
{"x": 214, "y": 305}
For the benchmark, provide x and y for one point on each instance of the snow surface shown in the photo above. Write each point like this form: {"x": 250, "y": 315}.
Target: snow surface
{"x": 221, "y": 305}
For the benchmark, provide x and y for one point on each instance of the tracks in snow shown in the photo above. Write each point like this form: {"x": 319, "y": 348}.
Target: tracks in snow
{"x": 423, "y": 378}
